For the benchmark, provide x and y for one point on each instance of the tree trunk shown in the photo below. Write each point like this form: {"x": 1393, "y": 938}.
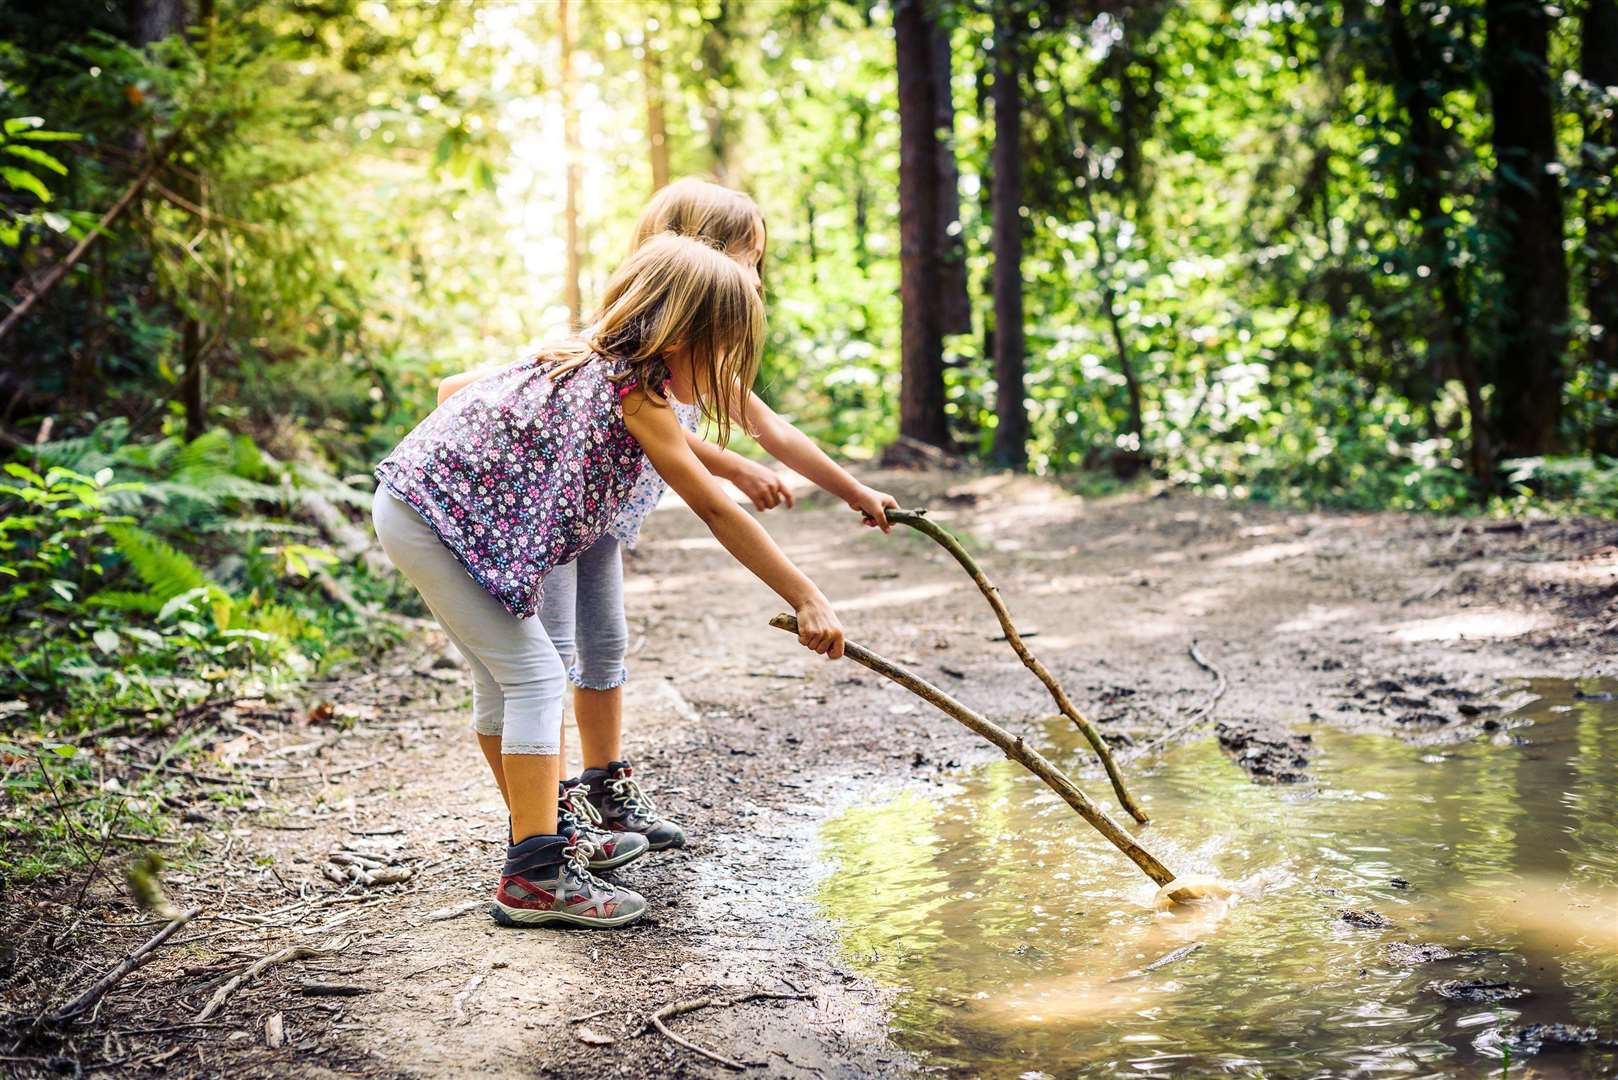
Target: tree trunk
{"x": 921, "y": 347}
{"x": 1533, "y": 317}
{"x": 1011, "y": 430}
{"x": 657, "y": 131}
{"x": 862, "y": 192}
{"x": 154, "y": 20}
{"x": 955, "y": 303}
{"x": 570, "y": 142}
{"x": 1425, "y": 193}
{"x": 1599, "y": 65}
{"x": 718, "y": 80}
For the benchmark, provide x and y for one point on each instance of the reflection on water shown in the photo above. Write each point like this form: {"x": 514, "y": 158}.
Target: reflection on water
{"x": 1023, "y": 944}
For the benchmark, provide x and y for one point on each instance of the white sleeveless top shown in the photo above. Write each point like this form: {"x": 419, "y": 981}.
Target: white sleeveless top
{"x": 649, "y": 487}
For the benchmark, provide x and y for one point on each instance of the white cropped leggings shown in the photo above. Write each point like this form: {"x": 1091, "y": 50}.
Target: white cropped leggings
{"x": 519, "y": 667}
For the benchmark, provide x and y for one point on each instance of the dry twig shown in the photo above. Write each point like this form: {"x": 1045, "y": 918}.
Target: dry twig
{"x": 221, "y": 995}
{"x": 917, "y": 520}
{"x": 1197, "y": 717}
{"x": 85, "y": 1001}
{"x": 680, "y": 1008}
{"x": 1013, "y": 747}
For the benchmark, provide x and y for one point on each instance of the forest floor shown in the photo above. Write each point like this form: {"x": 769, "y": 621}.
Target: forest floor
{"x": 1381, "y": 622}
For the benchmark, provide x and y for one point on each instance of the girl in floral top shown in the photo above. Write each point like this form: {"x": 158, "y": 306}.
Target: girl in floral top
{"x": 583, "y": 609}
{"x": 524, "y": 472}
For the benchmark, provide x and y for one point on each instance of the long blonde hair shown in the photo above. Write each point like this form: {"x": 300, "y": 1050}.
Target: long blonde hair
{"x": 676, "y": 292}
{"x": 707, "y": 211}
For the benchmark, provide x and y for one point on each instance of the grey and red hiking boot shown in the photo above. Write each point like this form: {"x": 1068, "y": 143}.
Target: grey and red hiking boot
{"x": 546, "y": 881}
{"x": 622, "y": 807}
{"x": 608, "y": 850}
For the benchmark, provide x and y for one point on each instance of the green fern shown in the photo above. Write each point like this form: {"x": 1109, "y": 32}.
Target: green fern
{"x": 124, "y": 600}
{"x": 165, "y": 571}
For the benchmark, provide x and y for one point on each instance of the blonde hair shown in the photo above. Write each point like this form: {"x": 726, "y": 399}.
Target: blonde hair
{"x": 676, "y": 292}
{"x": 707, "y": 211}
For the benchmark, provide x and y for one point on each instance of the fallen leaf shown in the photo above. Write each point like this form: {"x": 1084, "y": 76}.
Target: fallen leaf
{"x": 591, "y": 1037}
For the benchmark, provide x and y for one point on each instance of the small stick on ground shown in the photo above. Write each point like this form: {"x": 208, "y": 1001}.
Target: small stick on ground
{"x": 1220, "y": 685}
{"x": 1012, "y": 746}
{"x": 221, "y": 995}
{"x": 680, "y": 1008}
{"x": 917, "y": 520}
{"x": 81, "y": 1004}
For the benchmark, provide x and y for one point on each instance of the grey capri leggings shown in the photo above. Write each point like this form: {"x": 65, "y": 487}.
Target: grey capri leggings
{"x": 519, "y": 670}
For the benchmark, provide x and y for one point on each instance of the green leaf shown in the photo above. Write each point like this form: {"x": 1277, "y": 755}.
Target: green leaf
{"x": 167, "y": 572}
{"x": 106, "y": 640}
{"x": 23, "y": 180}
{"x": 65, "y": 750}
{"x": 64, "y": 589}
{"x": 51, "y": 136}
{"x": 23, "y": 123}
{"x": 38, "y": 157}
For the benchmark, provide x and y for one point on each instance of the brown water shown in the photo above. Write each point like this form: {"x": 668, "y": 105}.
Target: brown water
{"x": 1019, "y": 939}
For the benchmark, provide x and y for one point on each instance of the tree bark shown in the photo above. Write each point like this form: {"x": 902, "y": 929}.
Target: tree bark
{"x": 657, "y": 131}
{"x": 921, "y": 346}
{"x": 718, "y": 80}
{"x": 1011, "y": 412}
{"x": 571, "y": 296}
{"x": 1425, "y": 192}
{"x": 1533, "y": 317}
{"x": 1599, "y": 65}
{"x": 955, "y": 303}
{"x": 153, "y": 20}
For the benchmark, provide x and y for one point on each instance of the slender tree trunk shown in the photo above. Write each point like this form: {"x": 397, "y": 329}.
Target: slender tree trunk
{"x": 1425, "y": 195}
{"x": 862, "y": 192}
{"x": 1011, "y": 430}
{"x": 1599, "y": 64}
{"x": 955, "y": 303}
{"x": 1533, "y": 317}
{"x": 154, "y": 20}
{"x": 921, "y": 389}
{"x": 657, "y": 131}
{"x": 718, "y": 80}
{"x": 570, "y": 140}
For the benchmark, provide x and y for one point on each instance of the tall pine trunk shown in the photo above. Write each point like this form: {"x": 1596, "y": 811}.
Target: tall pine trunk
{"x": 1011, "y": 414}
{"x": 921, "y": 346}
{"x": 1599, "y": 65}
{"x": 955, "y": 302}
{"x": 657, "y": 131}
{"x": 1533, "y": 317}
{"x": 571, "y": 296}
{"x": 1424, "y": 193}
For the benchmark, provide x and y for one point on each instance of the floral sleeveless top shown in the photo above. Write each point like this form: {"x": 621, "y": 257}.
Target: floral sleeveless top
{"x": 649, "y": 488}
{"x": 518, "y": 474}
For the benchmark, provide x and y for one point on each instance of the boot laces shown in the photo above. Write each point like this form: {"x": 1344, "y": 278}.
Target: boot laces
{"x": 578, "y": 800}
{"x": 627, "y": 790}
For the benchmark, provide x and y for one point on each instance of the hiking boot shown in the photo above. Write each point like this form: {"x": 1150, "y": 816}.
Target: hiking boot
{"x": 621, "y": 806}
{"x": 547, "y": 881}
{"x": 608, "y": 850}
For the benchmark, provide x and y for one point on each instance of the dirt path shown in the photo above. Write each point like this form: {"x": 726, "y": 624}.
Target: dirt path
{"x": 1373, "y": 621}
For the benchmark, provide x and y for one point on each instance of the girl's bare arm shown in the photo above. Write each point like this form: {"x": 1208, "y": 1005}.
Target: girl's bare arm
{"x": 664, "y": 440}
{"x": 797, "y": 451}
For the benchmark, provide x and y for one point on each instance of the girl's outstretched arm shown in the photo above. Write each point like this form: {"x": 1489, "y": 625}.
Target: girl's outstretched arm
{"x": 758, "y": 483}
{"x": 661, "y": 436}
{"x": 797, "y": 451}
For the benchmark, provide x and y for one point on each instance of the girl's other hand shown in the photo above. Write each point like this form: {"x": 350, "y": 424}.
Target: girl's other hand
{"x": 760, "y": 484}
{"x": 819, "y": 629}
{"x": 874, "y": 505}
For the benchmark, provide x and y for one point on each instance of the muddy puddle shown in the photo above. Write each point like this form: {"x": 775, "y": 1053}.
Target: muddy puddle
{"x": 1022, "y": 945}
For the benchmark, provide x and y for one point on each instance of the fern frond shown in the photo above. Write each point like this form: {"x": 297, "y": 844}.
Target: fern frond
{"x": 124, "y": 600}
{"x": 166, "y": 571}
{"x": 211, "y": 450}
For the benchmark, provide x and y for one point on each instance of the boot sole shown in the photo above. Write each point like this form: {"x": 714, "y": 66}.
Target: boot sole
{"x": 521, "y": 919}
{"x": 620, "y": 860}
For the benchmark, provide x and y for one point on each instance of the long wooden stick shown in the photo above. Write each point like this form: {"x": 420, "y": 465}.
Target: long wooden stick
{"x": 139, "y": 957}
{"x": 1013, "y": 747}
{"x": 917, "y": 520}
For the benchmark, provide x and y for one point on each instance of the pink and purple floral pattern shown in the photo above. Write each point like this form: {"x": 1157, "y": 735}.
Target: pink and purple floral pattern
{"x": 518, "y": 474}
{"x": 648, "y": 490}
